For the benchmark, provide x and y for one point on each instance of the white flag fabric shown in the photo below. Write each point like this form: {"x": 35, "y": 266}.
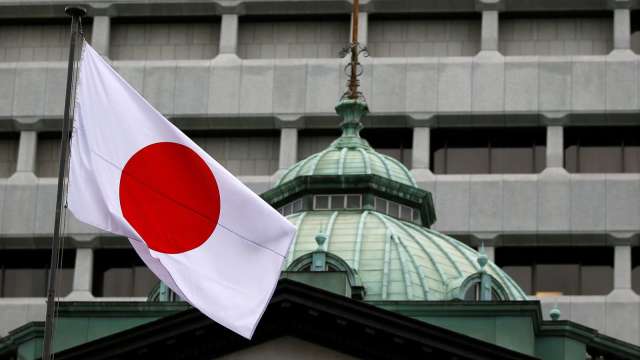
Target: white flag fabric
{"x": 198, "y": 228}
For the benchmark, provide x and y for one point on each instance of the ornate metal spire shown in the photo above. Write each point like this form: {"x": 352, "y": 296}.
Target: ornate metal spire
{"x": 354, "y": 69}
{"x": 352, "y": 105}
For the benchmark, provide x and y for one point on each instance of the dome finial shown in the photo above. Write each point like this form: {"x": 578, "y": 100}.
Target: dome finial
{"x": 321, "y": 238}
{"x": 554, "y": 314}
{"x": 352, "y": 106}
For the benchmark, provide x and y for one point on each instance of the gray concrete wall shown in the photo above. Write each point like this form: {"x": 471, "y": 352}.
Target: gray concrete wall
{"x": 534, "y": 204}
{"x": 35, "y": 42}
{"x": 164, "y": 41}
{"x": 556, "y": 36}
{"x": 421, "y": 87}
{"x": 243, "y": 155}
{"x": 425, "y": 37}
{"x": 292, "y": 39}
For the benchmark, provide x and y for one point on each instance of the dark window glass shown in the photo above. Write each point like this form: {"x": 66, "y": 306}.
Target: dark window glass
{"x": 24, "y": 273}
{"x": 121, "y": 273}
{"x": 559, "y": 270}
{"x": 8, "y": 153}
{"x": 394, "y": 142}
{"x": 337, "y": 202}
{"x": 354, "y": 201}
{"x": 406, "y": 213}
{"x": 394, "y": 209}
{"x": 473, "y": 293}
{"x": 523, "y": 275}
{"x": 612, "y": 149}
{"x": 635, "y": 269}
{"x": 488, "y": 150}
{"x": 381, "y": 205}
{"x": 322, "y": 202}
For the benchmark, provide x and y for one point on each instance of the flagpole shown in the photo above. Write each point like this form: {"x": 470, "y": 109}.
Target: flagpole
{"x": 76, "y": 13}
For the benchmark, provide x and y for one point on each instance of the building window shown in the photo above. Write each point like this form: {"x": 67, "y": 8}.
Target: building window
{"x": 242, "y": 153}
{"x": 394, "y": 142}
{"x": 635, "y": 269}
{"x": 337, "y": 202}
{"x": 554, "y": 271}
{"x": 47, "y": 154}
{"x": 487, "y": 150}
{"x": 8, "y": 153}
{"x": 185, "y": 38}
{"x": 291, "y": 208}
{"x": 396, "y": 210}
{"x": 602, "y": 149}
{"x": 121, "y": 273}
{"x": 278, "y": 38}
{"x": 420, "y": 36}
{"x": 24, "y": 273}
{"x": 473, "y": 293}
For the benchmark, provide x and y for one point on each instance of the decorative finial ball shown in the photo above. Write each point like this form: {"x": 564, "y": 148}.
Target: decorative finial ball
{"x": 482, "y": 260}
{"x": 554, "y": 314}
{"x": 321, "y": 239}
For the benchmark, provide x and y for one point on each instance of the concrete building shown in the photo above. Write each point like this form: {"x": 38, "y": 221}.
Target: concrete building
{"x": 520, "y": 117}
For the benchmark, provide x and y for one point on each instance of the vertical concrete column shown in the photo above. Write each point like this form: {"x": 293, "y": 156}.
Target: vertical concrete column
{"x": 622, "y": 29}
{"x": 27, "y": 149}
{"x": 101, "y": 34}
{"x": 490, "y": 251}
{"x": 288, "y": 148}
{"x": 83, "y": 274}
{"x": 555, "y": 146}
{"x": 421, "y": 148}
{"x": 622, "y": 267}
{"x": 489, "y": 31}
{"x": 229, "y": 34}
{"x": 363, "y": 28}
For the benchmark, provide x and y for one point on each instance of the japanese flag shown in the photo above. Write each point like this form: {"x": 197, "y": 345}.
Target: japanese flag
{"x": 198, "y": 228}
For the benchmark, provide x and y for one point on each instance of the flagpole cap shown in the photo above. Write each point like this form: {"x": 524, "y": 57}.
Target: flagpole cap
{"x": 75, "y": 11}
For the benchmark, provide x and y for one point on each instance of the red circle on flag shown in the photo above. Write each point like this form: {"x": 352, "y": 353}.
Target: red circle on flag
{"x": 170, "y": 197}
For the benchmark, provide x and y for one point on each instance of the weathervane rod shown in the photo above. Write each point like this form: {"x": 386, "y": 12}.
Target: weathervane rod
{"x": 353, "y": 80}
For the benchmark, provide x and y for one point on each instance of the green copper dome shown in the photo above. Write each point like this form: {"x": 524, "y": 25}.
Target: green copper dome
{"x": 398, "y": 260}
{"x": 361, "y": 213}
{"x": 350, "y": 154}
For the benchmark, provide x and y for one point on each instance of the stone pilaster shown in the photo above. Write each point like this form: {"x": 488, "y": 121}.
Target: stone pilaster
{"x": 555, "y": 146}
{"x": 101, "y": 34}
{"x": 489, "y": 33}
{"x": 288, "y": 148}
{"x": 490, "y": 26}
{"x": 421, "y": 148}
{"x": 229, "y": 34}
{"x": 621, "y": 24}
{"x": 622, "y": 267}
{"x": 26, "y": 162}
{"x": 82, "y": 275}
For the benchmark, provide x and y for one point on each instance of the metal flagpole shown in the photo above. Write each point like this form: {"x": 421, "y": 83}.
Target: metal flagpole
{"x": 76, "y": 13}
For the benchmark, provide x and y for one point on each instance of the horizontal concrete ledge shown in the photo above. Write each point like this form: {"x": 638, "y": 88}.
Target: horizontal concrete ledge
{"x": 15, "y": 8}
{"x": 522, "y": 208}
{"x": 450, "y": 88}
